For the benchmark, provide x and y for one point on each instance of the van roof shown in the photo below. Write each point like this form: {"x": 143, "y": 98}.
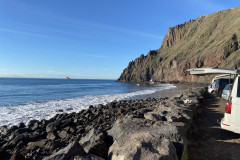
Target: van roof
{"x": 206, "y": 71}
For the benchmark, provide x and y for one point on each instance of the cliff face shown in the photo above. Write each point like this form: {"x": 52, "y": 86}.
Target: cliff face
{"x": 209, "y": 41}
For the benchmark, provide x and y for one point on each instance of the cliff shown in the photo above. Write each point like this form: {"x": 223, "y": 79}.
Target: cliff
{"x": 208, "y": 41}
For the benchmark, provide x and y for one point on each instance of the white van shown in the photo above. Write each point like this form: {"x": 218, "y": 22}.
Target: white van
{"x": 231, "y": 120}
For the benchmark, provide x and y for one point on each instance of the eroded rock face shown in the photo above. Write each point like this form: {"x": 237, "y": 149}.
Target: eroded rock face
{"x": 142, "y": 146}
{"x": 208, "y": 41}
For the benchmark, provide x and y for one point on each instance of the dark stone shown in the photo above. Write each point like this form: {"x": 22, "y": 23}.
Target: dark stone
{"x": 3, "y": 130}
{"x": 33, "y": 124}
{"x": 66, "y": 153}
{"x": 91, "y": 106}
{"x": 66, "y": 123}
{"x": 52, "y": 136}
{"x": 37, "y": 144}
{"x": 11, "y": 129}
{"x": 53, "y": 145}
{"x": 63, "y": 134}
{"x": 95, "y": 143}
{"x": 17, "y": 156}
{"x": 88, "y": 157}
{"x": 72, "y": 129}
{"x": 19, "y": 147}
{"x": 21, "y": 125}
{"x": 21, "y": 131}
{"x": 38, "y": 134}
{"x": 59, "y": 110}
{"x": 52, "y": 127}
{"x": 3, "y": 153}
{"x": 44, "y": 122}
{"x": 22, "y": 137}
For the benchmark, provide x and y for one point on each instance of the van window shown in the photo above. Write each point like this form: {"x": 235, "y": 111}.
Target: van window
{"x": 228, "y": 87}
{"x": 222, "y": 83}
{"x": 238, "y": 88}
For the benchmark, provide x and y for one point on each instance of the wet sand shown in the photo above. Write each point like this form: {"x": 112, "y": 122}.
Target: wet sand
{"x": 175, "y": 91}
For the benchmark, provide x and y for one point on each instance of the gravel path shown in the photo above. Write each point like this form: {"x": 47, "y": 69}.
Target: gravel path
{"x": 211, "y": 142}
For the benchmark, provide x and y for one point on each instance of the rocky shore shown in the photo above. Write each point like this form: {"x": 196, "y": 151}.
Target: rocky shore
{"x": 127, "y": 129}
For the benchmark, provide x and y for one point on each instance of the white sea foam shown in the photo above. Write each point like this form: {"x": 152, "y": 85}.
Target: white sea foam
{"x": 13, "y": 115}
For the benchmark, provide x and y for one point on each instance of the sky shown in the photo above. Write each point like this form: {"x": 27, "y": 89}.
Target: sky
{"x": 88, "y": 39}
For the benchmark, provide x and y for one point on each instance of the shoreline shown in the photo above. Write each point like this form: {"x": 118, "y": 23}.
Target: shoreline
{"x": 48, "y": 109}
{"x": 43, "y": 138}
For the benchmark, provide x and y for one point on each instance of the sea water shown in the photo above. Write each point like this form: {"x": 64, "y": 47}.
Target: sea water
{"x": 25, "y": 99}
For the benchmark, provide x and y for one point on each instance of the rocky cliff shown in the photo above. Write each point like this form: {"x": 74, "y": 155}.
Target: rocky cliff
{"x": 209, "y": 41}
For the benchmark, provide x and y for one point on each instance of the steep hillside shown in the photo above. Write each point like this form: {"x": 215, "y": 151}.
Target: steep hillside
{"x": 209, "y": 41}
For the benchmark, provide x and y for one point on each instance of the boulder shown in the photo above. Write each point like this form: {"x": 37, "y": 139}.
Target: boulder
{"x": 152, "y": 116}
{"x": 33, "y": 124}
{"x": 21, "y": 125}
{"x": 19, "y": 147}
{"x": 51, "y": 127}
{"x": 52, "y": 136}
{"x": 3, "y": 130}
{"x": 38, "y": 144}
{"x": 128, "y": 125}
{"x": 21, "y": 137}
{"x": 175, "y": 132}
{"x": 142, "y": 146}
{"x": 53, "y": 145}
{"x": 68, "y": 152}
{"x": 63, "y": 134}
{"x": 95, "y": 143}
{"x": 38, "y": 134}
{"x": 87, "y": 157}
{"x": 17, "y": 156}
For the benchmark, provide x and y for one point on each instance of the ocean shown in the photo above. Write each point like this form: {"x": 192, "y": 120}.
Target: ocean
{"x": 25, "y": 99}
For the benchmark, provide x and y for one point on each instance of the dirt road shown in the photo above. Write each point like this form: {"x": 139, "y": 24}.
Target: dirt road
{"x": 212, "y": 142}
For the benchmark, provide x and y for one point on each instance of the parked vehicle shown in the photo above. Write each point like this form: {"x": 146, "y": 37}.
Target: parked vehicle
{"x": 211, "y": 87}
{"x": 231, "y": 119}
{"x": 221, "y": 84}
{"x": 227, "y": 91}
{"x": 218, "y": 83}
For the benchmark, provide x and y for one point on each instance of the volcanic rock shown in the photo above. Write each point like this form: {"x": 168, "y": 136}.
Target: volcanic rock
{"x": 142, "y": 146}
{"x": 66, "y": 153}
{"x": 95, "y": 143}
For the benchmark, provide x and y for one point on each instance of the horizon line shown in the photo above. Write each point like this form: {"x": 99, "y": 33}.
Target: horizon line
{"x": 60, "y": 78}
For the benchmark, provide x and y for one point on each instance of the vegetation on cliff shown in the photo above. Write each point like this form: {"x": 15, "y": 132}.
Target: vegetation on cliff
{"x": 208, "y": 41}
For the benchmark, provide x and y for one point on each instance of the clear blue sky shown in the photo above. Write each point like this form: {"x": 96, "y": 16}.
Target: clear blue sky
{"x": 88, "y": 38}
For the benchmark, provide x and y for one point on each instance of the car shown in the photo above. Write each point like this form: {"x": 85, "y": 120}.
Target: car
{"x": 211, "y": 87}
{"x": 221, "y": 84}
{"x": 231, "y": 119}
{"x": 226, "y": 92}
{"x": 218, "y": 84}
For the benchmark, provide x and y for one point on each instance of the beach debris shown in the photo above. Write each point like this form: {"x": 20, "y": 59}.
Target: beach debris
{"x": 187, "y": 101}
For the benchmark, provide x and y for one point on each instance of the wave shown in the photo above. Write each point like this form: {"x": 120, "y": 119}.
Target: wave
{"x": 13, "y": 115}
